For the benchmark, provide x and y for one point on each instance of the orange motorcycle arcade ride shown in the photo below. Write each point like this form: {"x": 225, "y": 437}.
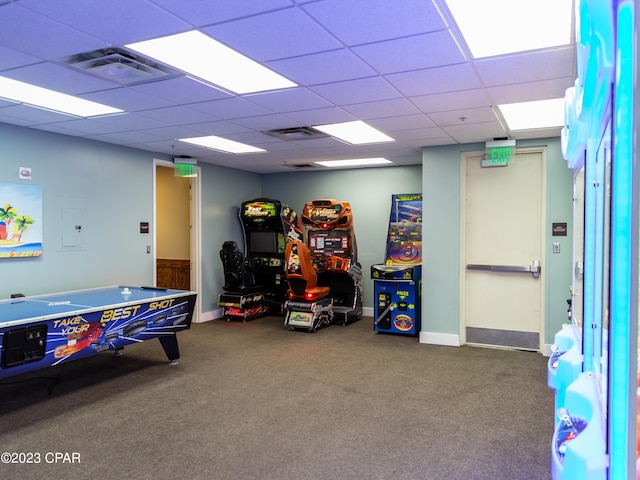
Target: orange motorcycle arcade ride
{"x": 323, "y": 274}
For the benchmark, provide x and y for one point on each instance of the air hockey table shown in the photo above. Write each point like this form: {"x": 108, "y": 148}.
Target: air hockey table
{"x": 45, "y": 330}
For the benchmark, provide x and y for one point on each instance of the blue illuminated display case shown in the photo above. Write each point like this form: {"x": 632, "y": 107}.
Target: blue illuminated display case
{"x": 596, "y": 423}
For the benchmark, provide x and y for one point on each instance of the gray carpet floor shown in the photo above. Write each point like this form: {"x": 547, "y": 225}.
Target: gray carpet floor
{"x": 256, "y": 401}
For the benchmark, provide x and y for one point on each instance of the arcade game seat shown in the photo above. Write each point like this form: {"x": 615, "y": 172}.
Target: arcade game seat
{"x": 309, "y": 305}
{"x": 329, "y": 233}
{"x": 243, "y": 298}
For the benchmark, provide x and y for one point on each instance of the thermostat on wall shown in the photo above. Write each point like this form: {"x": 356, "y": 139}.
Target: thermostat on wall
{"x": 24, "y": 173}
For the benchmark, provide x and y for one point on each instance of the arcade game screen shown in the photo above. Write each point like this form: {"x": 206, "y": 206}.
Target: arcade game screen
{"x": 330, "y": 242}
{"x": 264, "y": 242}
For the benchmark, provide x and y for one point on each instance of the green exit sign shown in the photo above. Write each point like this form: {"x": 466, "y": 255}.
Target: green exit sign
{"x": 498, "y": 155}
{"x": 184, "y": 170}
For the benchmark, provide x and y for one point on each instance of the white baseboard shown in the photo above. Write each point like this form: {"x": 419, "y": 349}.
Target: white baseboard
{"x": 546, "y": 350}
{"x": 367, "y": 311}
{"x": 446, "y": 339}
{"x": 210, "y": 315}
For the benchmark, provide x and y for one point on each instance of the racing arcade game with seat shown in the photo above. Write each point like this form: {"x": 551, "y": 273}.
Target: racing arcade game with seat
{"x": 309, "y": 305}
{"x": 242, "y": 299}
{"x": 329, "y": 234}
{"x": 268, "y": 225}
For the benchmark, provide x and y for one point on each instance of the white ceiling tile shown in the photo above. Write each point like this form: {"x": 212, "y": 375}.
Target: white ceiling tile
{"x": 276, "y": 35}
{"x": 207, "y": 12}
{"x": 392, "y": 125}
{"x": 181, "y": 90}
{"x": 441, "y": 102}
{"x": 11, "y": 58}
{"x": 116, "y": 21}
{"x": 289, "y": 100}
{"x": 126, "y": 99}
{"x": 325, "y": 67}
{"x": 179, "y": 115}
{"x": 527, "y": 67}
{"x": 395, "y": 65}
{"x": 368, "y": 21}
{"x": 382, "y": 108}
{"x": 412, "y": 53}
{"x": 473, "y": 132}
{"x": 36, "y": 35}
{"x": 357, "y": 91}
{"x": 56, "y": 77}
{"x": 320, "y": 116}
{"x": 463, "y": 117}
{"x": 231, "y": 108}
{"x": 435, "y": 80}
{"x": 530, "y": 91}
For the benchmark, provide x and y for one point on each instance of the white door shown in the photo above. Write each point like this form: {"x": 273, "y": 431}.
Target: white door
{"x": 503, "y": 250}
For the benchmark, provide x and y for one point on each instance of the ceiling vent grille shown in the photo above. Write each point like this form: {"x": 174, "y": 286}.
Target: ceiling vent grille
{"x": 119, "y": 66}
{"x": 300, "y": 166}
{"x": 296, "y": 133}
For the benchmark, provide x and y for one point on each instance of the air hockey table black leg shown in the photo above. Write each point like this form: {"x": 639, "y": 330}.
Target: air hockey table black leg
{"x": 170, "y": 345}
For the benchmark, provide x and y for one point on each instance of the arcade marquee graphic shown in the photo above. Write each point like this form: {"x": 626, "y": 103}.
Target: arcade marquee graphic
{"x": 20, "y": 221}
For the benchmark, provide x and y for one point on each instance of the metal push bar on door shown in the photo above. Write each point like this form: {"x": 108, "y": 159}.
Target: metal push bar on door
{"x": 533, "y": 269}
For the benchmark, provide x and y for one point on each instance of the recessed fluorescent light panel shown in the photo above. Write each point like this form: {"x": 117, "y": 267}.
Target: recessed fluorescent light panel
{"x": 356, "y": 133}
{"x": 539, "y": 114}
{"x": 208, "y": 60}
{"x": 39, "y": 97}
{"x": 496, "y": 27}
{"x": 353, "y": 163}
{"x": 221, "y": 144}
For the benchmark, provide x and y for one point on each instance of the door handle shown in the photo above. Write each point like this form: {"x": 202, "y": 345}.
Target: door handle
{"x": 534, "y": 268}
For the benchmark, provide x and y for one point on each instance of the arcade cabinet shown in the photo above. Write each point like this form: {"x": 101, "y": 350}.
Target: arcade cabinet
{"x": 330, "y": 236}
{"x": 309, "y": 305}
{"x": 268, "y": 225}
{"x": 242, "y": 299}
{"x": 397, "y": 282}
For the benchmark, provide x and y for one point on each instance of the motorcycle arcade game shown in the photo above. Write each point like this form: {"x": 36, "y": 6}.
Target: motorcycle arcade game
{"x": 268, "y": 225}
{"x": 330, "y": 237}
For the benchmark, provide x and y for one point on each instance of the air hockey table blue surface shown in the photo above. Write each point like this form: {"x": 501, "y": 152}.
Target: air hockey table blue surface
{"x": 45, "y": 330}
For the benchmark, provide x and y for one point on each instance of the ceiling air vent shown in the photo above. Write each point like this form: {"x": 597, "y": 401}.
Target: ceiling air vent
{"x": 300, "y": 166}
{"x": 296, "y": 133}
{"x": 119, "y": 66}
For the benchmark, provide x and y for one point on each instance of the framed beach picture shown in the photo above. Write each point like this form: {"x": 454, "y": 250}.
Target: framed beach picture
{"x": 20, "y": 220}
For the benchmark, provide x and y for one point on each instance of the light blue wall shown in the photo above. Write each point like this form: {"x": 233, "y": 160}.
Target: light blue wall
{"x": 368, "y": 190}
{"x": 441, "y": 237}
{"x": 223, "y": 191}
{"x": 113, "y": 186}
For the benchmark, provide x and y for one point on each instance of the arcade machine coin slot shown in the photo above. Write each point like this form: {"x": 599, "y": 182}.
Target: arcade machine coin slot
{"x": 23, "y": 345}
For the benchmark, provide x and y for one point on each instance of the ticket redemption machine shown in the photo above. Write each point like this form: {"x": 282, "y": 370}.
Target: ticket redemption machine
{"x": 328, "y": 230}
{"x": 397, "y": 282}
{"x": 268, "y": 226}
{"x": 595, "y": 434}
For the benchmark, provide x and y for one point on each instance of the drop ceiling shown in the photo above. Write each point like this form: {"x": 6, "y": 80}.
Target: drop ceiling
{"x": 401, "y": 66}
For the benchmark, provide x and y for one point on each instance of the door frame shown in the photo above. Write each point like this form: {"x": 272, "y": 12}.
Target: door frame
{"x": 463, "y": 245}
{"x": 195, "y": 256}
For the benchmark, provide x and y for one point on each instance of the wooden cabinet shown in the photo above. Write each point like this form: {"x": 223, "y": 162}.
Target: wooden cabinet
{"x": 173, "y": 273}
